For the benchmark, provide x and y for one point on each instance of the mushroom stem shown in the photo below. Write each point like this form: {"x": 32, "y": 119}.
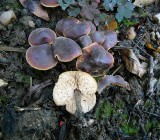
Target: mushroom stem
{"x": 77, "y": 96}
{"x": 79, "y": 113}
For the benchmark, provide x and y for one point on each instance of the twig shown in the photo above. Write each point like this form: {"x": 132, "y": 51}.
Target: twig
{"x": 150, "y": 90}
{"x": 17, "y": 108}
{"x": 117, "y": 69}
{"x": 37, "y": 88}
{"x": 122, "y": 47}
{"x": 140, "y": 48}
{"x": 30, "y": 88}
{"x": 142, "y": 58}
{"x": 12, "y": 49}
{"x": 154, "y": 114}
{"x": 139, "y": 102}
{"x": 158, "y": 87}
{"x": 141, "y": 38}
{"x": 136, "y": 44}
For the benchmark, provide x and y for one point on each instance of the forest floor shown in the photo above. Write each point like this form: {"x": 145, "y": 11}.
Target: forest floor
{"x": 28, "y": 112}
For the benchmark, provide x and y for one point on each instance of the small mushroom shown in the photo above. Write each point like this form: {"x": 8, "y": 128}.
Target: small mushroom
{"x": 41, "y": 36}
{"x": 35, "y": 7}
{"x": 65, "y": 23}
{"x": 6, "y": 17}
{"x": 110, "y": 39}
{"x": 77, "y": 30}
{"x": 114, "y": 80}
{"x": 131, "y": 34}
{"x": 98, "y": 37}
{"x": 94, "y": 60}
{"x": 153, "y": 36}
{"x": 157, "y": 18}
{"x": 84, "y": 41}
{"x": 3, "y": 83}
{"x": 50, "y": 3}
{"x": 41, "y": 57}
{"x": 65, "y": 49}
{"x": 65, "y": 91}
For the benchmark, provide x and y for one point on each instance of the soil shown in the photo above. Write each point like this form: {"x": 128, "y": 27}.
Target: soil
{"x": 27, "y": 110}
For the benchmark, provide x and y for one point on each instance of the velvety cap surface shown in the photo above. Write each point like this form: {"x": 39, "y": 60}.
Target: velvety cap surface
{"x": 66, "y": 49}
{"x": 65, "y": 23}
{"x": 41, "y": 57}
{"x": 41, "y": 36}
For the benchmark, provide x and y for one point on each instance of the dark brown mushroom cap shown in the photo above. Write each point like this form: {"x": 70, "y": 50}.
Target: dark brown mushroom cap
{"x": 77, "y": 30}
{"x": 50, "y": 3}
{"x": 98, "y": 37}
{"x": 65, "y": 49}
{"x": 110, "y": 39}
{"x": 41, "y": 57}
{"x": 65, "y": 23}
{"x": 94, "y": 60}
{"x": 84, "y": 41}
{"x": 41, "y": 36}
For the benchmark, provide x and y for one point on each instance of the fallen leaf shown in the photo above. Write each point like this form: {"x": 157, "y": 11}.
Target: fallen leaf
{"x": 34, "y": 6}
{"x": 111, "y": 26}
{"x": 111, "y": 23}
{"x": 158, "y": 49}
{"x": 132, "y": 63}
{"x": 150, "y": 46}
{"x": 142, "y": 3}
{"x": 114, "y": 80}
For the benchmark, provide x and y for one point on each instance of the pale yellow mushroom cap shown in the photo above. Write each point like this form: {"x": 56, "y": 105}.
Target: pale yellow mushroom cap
{"x": 63, "y": 92}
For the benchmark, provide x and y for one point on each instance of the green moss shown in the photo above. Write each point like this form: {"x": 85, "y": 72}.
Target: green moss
{"x": 98, "y": 78}
{"x": 2, "y": 99}
{"x": 129, "y": 23}
{"x": 149, "y": 103}
{"x": 152, "y": 124}
{"x": 158, "y": 126}
{"x": 148, "y": 126}
{"x": 120, "y": 104}
{"x": 12, "y": 4}
{"x": 125, "y": 116}
{"x": 130, "y": 129}
{"x": 22, "y": 78}
{"x": 104, "y": 111}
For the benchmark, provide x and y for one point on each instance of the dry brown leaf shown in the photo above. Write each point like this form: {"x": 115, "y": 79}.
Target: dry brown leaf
{"x": 111, "y": 26}
{"x": 114, "y": 80}
{"x": 132, "y": 63}
{"x": 35, "y": 7}
{"x": 142, "y": 3}
{"x": 150, "y": 46}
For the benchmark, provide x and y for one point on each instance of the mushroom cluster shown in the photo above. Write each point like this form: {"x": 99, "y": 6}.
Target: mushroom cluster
{"x": 95, "y": 57}
{"x": 46, "y": 49}
{"x": 76, "y": 38}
